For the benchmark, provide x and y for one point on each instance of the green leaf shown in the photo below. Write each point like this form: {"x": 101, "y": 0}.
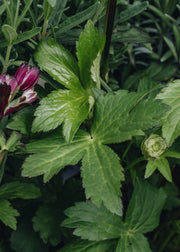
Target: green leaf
{"x": 89, "y": 46}
{"x": 172, "y": 154}
{"x": 121, "y": 115}
{"x": 77, "y": 245}
{"x": 171, "y": 47}
{"x": 47, "y": 221}
{"x": 18, "y": 189}
{"x": 13, "y": 141}
{"x": 72, "y": 107}
{"x": 8, "y": 214}
{"x": 132, "y": 11}
{"x": 172, "y": 193}
{"x": 150, "y": 168}
{"x": 57, "y": 12}
{"x": 92, "y": 223}
{"x": 25, "y": 239}
{"x": 104, "y": 246}
{"x": 53, "y": 140}
{"x": 59, "y": 63}
{"x": 98, "y": 224}
{"x": 27, "y": 35}
{"x": 145, "y": 207}
{"x": 134, "y": 242}
{"x": 102, "y": 175}
{"x": 149, "y": 86}
{"x": 23, "y": 13}
{"x": 3, "y": 8}
{"x": 161, "y": 164}
{"x": 52, "y": 3}
{"x": 176, "y": 31}
{"x": 77, "y": 19}
{"x": 2, "y": 140}
{"x": 22, "y": 121}
{"x": 171, "y": 121}
{"x": 9, "y": 33}
{"x": 51, "y": 162}
{"x": 48, "y": 6}
{"x": 87, "y": 246}
{"x": 156, "y": 71}
{"x": 133, "y": 35}
{"x": 164, "y": 168}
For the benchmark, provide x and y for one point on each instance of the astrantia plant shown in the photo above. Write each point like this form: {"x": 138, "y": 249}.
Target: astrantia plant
{"x": 92, "y": 165}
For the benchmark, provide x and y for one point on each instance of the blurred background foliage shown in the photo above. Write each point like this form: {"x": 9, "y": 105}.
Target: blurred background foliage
{"x": 145, "y": 40}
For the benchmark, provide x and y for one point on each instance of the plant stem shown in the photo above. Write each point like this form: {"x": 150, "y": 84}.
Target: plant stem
{"x": 138, "y": 160}
{"x": 110, "y": 14}
{"x": 44, "y": 29}
{"x": 166, "y": 241}
{"x": 126, "y": 150}
{"x": 6, "y": 62}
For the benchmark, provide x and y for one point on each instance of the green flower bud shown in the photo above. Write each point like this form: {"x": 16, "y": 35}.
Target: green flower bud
{"x": 153, "y": 147}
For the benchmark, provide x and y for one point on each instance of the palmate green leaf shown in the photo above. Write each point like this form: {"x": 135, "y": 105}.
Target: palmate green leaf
{"x": 121, "y": 115}
{"x": 146, "y": 84}
{"x": 102, "y": 175}
{"x": 50, "y": 162}
{"x": 8, "y": 214}
{"x": 105, "y": 246}
{"x": 93, "y": 223}
{"x": 101, "y": 171}
{"x": 98, "y": 224}
{"x": 115, "y": 121}
{"x": 53, "y": 140}
{"x": 171, "y": 122}
{"x": 145, "y": 207}
{"x": 72, "y": 107}
{"x": 59, "y": 63}
{"x": 135, "y": 242}
{"x": 87, "y": 246}
{"x": 89, "y": 46}
{"x": 18, "y": 189}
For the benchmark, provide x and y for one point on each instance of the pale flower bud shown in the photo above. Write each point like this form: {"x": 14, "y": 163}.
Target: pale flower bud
{"x": 153, "y": 147}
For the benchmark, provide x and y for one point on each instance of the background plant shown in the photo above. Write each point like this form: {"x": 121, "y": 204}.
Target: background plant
{"x": 96, "y": 113}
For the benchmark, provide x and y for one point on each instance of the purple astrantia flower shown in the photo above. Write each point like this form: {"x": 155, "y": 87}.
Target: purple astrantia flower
{"x": 27, "y": 97}
{"x": 26, "y": 76}
{"x": 24, "y": 80}
{"x": 9, "y": 80}
{"x": 5, "y": 91}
